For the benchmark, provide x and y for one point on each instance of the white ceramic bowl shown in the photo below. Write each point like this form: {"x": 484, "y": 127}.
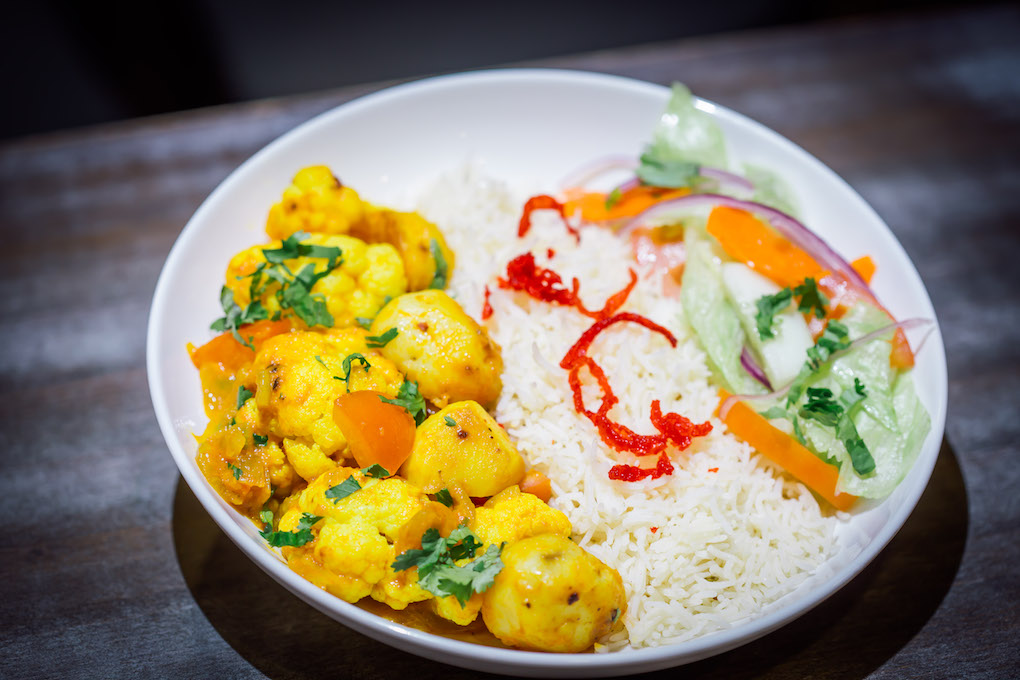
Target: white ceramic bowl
{"x": 529, "y": 127}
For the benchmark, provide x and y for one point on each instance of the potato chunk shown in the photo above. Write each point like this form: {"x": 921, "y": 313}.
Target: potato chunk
{"x": 441, "y": 348}
{"x": 552, "y": 596}
{"x": 474, "y": 451}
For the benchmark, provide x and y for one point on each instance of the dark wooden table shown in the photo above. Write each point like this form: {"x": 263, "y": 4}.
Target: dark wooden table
{"x": 110, "y": 568}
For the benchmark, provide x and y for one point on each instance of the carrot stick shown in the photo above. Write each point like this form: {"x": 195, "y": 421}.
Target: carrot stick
{"x": 635, "y": 201}
{"x": 747, "y": 239}
{"x": 786, "y": 451}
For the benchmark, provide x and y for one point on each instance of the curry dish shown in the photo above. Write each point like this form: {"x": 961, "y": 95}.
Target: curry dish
{"x": 349, "y": 404}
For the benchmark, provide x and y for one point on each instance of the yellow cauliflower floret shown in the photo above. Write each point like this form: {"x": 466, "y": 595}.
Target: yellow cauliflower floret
{"x": 412, "y": 235}
{"x": 368, "y": 275}
{"x": 316, "y": 201}
{"x": 384, "y": 504}
{"x": 449, "y": 608}
{"x": 296, "y": 385}
{"x": 355, "y": 550}
{"x": 512, "y": 515}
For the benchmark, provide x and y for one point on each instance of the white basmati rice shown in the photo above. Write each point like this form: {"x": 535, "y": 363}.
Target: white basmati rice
{"x": 727, "y": 543}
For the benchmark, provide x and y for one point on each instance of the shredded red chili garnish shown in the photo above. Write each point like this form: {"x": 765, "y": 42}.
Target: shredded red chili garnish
{"x": 580, "y": 347}
{"x": 654, "y": 529}
{"x": 550, "y": 253}
{"x": 543, "y": 202}
{"x": 541, "y": 283}
{"x": 713, "y": 469}
{"x": 486, "y": 307}
{"x": 673, "y": 428}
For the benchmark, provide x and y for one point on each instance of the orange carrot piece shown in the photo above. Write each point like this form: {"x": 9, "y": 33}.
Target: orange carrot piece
{"x": 747, "y": 239}
{"x": 232, "y": 355}
{"x": 864, "y": 266}
{"x": 536, "y": 483}
{"x": 592, "y": 206}
{"x": 786, "y": 451}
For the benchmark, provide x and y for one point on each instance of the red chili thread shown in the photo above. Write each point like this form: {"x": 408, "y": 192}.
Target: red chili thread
{"x": 541, "y": 283}
{"x": 543, "y": 202}
{"x": 486, "y": 307}
{"x": 713, "y": 469}
{"x": 654, "y": 529}
{"x": 673, "y": 428}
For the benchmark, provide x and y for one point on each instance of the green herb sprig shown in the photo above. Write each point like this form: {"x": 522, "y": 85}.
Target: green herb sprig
{"x": 293, "y": 539}
{"x": 410, "y": 399}
{"x": 438, "y": 572}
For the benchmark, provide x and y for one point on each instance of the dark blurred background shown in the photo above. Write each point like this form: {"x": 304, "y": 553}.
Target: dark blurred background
{"x": 68, "y": 64}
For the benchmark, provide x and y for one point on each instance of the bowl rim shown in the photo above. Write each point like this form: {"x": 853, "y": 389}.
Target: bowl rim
{"x": 472, "y": 655}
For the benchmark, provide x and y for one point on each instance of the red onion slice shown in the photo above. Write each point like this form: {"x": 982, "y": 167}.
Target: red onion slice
{"x": 724, "y": 177}
{"x": 752, "y": 367}
{"x": 786, "y": 225}
{"x": 906, "y": 324}
{"x": 596, "y": 168}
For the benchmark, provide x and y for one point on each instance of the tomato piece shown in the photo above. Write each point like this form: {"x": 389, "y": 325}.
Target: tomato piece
{"x": 232, "y": 355}
{"x": 377, "y": 432}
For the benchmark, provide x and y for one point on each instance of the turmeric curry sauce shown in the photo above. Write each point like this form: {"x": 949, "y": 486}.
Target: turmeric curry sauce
{"x": 348, "y": 399}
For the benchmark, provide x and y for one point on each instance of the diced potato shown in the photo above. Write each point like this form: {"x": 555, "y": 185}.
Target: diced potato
{"x": 473, "y": 451}
{"x": 441, "y": 348}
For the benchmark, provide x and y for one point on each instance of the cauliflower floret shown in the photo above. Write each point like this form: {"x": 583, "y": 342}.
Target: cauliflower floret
{"x": 316, "y": 201}
{"x": 353, "y": 552}
{"x": 510, "y": 516}
{"x": 367, "y": 275}
{"x": 296, "y": 385}
{"x": 412, "y": 235}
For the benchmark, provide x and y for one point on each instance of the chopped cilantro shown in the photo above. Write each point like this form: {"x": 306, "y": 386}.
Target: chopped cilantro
{"x": 364, "y": 321}
{"x": 243, "y": 395}
{"x": 768, "y": 306}
{"x": 823, "y": 408}
{"x": 347, "y": 365}
{"x": 293, "y": 539}
{"x": 294, "y": 291}
{"x": 613, "y": 198}
{"x": 377, "y": 341}
{"x": 811, "y": 298}
{"x": 438, "y": 572}
{"x": 440, "y": 277}
{"x": 234, "y": 317}
{"x": 260, "y": 439}
{"x": 235, "y": 470}
{"x": 376, "y": 470}
{"x": 445, "y": 497}
{"x": 834, "y": 338}
{"x": 668, "y": 173}
{"x": 410, "y": 399}
{"x": 450, "y": 422}
{"x": 343, "y": 489}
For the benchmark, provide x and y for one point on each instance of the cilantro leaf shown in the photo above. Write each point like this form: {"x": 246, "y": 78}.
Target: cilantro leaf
{"x": 821, "y": 407}
{"x": 438, "y": 572}
{"x": 260, "y": 440}
{"x": 293, "y": 539}
{"x": 445, "y": 497}
{"x": 450, "y": 422}
{"x": 235, "y": 470}
{"x": 377, "y": 341}
{"x": 834, "y": 338}
{"x": 657, "y": 170}
{"x": 234, "y": 317}
{"x": 243, "y": 395}
{"x": 364, "y": 321}
{"x": 347, "y": 365}
{"x": 410, "y": 399}
{"x": 377, "y": 471}
{"x": 343, "y": 489}
{"x": 811, "y": 298}
{"x": 440, "y": 277}
{"x": 768, "y": 306}
{"x": 613, "y": 198}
